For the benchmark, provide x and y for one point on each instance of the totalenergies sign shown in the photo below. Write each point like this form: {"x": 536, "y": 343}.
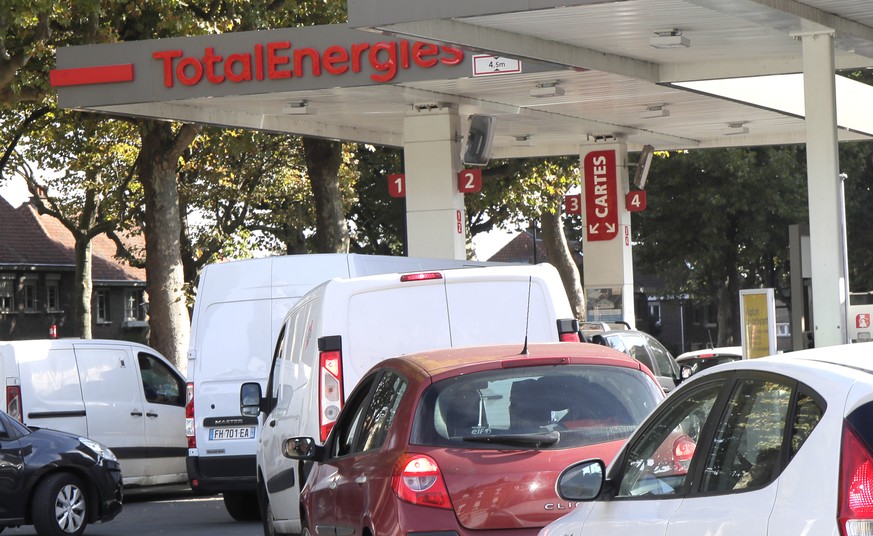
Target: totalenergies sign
{"x": 280, "y": 60}
{"x": 226, "y": 59}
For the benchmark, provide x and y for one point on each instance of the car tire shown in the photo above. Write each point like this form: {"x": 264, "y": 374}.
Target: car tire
{"x": 242, "y": 505}
{"x": 60, "y": 506}
{"x": 267, "y": 518}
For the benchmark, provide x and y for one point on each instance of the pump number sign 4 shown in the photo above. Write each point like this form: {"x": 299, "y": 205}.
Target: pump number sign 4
{"x": 243, "y": 432}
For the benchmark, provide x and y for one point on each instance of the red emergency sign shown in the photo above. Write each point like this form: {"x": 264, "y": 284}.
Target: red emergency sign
{"x": 601, "y": 195}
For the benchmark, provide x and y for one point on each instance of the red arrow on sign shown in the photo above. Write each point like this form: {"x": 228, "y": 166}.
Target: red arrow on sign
{"x": 601, "y": 195}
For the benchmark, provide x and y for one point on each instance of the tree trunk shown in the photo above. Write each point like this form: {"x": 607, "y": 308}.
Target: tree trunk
{"x": 559, "y": 254}
{"x": 169, "y": 322}
{"x": 83, "y": 288}
{"x": 728, "y": 305}
{"x": 323, "y": 160}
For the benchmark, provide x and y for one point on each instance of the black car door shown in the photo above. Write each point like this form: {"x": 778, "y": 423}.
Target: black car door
{"x": 13, "y": 473}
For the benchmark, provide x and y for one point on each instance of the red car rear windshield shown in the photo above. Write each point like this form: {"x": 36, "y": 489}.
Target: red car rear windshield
{"x": 535, "y": 407}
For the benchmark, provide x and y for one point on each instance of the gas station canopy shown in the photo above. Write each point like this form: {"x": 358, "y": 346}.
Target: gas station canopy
{"x": 594, "y": 78}
{"x": 647, "y": 71}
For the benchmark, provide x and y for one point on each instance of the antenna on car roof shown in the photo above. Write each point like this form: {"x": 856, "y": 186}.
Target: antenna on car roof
{"x": 527, "y": 315}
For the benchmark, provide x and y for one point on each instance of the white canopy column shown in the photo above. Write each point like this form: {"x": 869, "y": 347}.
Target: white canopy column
{"x": 829, "y": 265}
{"x": 606, "y": 240}
{"x": 435, "y": 218}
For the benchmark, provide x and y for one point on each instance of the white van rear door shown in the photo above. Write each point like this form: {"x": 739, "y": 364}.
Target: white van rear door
{"x": 499, "y": 308}
{"x": 113, "y": 401}
{"x": 392, "y": 320}
{"x": 50, "y": 394}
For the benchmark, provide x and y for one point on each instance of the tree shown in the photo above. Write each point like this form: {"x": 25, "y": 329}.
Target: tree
{"x": 85, "y": 168}
{"x": 162, "y": 146}
{"x": 717, "y": 221}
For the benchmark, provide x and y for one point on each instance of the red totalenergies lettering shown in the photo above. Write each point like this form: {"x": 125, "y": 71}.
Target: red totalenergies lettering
{"x": 280, "y": 60}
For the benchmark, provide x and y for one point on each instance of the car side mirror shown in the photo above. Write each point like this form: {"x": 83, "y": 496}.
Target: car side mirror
{"x": 582, "y": 481}
{"x": 301, "y": 448}
{"x": 686, "y": 372}
{"x": 250, "y": 399}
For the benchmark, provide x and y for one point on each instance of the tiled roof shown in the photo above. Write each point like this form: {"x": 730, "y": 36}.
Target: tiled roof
{"x": 28, "y": 239}
{"x": 521, "y": 249}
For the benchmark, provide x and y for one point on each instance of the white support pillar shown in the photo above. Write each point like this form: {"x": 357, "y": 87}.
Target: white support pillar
{"x": 826, "y": 217}
{"x": 435, "y": 217}
{"x": 606, "y": 241}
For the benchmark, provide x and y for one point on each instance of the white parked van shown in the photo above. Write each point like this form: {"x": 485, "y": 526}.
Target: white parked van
{"x": 122, "y": 394}
{"x": 340, "y": 329}
{"x": 237, "y": 315}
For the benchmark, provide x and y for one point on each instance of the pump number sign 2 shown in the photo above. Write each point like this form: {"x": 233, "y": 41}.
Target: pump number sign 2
{"x": 601, "y": 195}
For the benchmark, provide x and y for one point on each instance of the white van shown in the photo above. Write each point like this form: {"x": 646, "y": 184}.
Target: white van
{"x": 237, "y": 315}
{"x": 340, "y": 329}
{"x": 122, "y": 394}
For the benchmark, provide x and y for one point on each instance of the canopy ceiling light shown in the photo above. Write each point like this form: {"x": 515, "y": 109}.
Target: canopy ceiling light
{"x": 296, "y": 108}
{"x": 547, "y": 89}
{"x": 737, "y": 127}
{"x": 655, "y": 110}
{"x": 671, "y": 38}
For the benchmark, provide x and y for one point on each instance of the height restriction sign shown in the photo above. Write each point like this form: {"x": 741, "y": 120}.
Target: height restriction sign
{"x": 601, "y": 195}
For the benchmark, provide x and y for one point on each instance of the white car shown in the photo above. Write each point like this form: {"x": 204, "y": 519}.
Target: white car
{"x": 780, "y": 445}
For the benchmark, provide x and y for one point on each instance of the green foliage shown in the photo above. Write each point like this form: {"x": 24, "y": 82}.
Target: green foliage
{"x": 719, "y": 214}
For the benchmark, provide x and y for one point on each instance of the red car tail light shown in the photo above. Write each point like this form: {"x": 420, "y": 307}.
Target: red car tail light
{"x": 683, "y": 450}
{"x": 568, "y": 330}
{"x": 13, "y": 402}
{"x": 190, "y": 430}
{"x": 417, "y": 479}
{"x": 330, "y": 383}
{"x": 856, "y": 486}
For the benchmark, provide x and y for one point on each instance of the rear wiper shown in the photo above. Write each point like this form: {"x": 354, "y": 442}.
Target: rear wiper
{"x": 536, "y": 439}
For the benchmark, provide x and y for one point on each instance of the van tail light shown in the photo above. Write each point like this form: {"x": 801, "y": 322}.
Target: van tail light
{"x": 856, "y": 485}
{"x": 13, "y": 402}
{"x": 190, "y": 430}
{"x": 330, "y": 383}
{"x": 417, "y": 479}
{"x": 683, "y": 450}
{"x": 568, "y": 330}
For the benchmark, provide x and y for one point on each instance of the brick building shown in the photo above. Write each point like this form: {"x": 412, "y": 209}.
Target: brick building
{"x": 37, "y": 271}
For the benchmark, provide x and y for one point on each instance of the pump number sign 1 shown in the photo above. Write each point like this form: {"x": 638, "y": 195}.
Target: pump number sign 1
{"x": 601, "y": 195}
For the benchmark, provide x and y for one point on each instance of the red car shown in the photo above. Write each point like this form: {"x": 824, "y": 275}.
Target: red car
{"x": 470, "y": 440}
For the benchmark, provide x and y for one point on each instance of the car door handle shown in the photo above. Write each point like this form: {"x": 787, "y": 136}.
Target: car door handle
{"x": 361, "y": 480}
{"x": 151, "y": 414}
{"x": 136, "y": 413}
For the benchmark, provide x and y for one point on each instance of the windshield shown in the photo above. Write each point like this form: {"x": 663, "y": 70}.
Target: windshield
{"x": 535, "y": 407}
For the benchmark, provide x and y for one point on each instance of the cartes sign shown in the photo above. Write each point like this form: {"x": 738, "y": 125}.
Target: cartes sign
{"x": 601, "y": 195}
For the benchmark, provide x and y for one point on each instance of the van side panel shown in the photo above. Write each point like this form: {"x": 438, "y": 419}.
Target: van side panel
{"x": 113, "y": 400}
{"x": 52, "y": 398}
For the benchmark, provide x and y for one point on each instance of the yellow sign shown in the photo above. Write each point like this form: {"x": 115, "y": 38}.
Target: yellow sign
{"x": 758, "y": 323}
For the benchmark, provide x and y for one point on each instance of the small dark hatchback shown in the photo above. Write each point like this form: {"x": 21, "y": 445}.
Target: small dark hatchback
{"x": 55, "y": 481}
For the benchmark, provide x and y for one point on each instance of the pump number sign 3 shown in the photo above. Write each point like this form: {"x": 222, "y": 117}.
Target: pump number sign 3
{"x": 601, "y": 195}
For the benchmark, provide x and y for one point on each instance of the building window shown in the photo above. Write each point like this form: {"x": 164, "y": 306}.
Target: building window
{"x": 28, "y": 294}
{"x": 7, "y": 294}
{"x": 133, "y": 300}
{"x": 52, "y": 294}
{"x": 101, "y": 306}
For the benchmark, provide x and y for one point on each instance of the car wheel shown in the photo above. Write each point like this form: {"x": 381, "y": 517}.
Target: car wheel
{"x": 267, "y": 513}
{"x": 60, "y": 507}
{"x": 242, "y": 506}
